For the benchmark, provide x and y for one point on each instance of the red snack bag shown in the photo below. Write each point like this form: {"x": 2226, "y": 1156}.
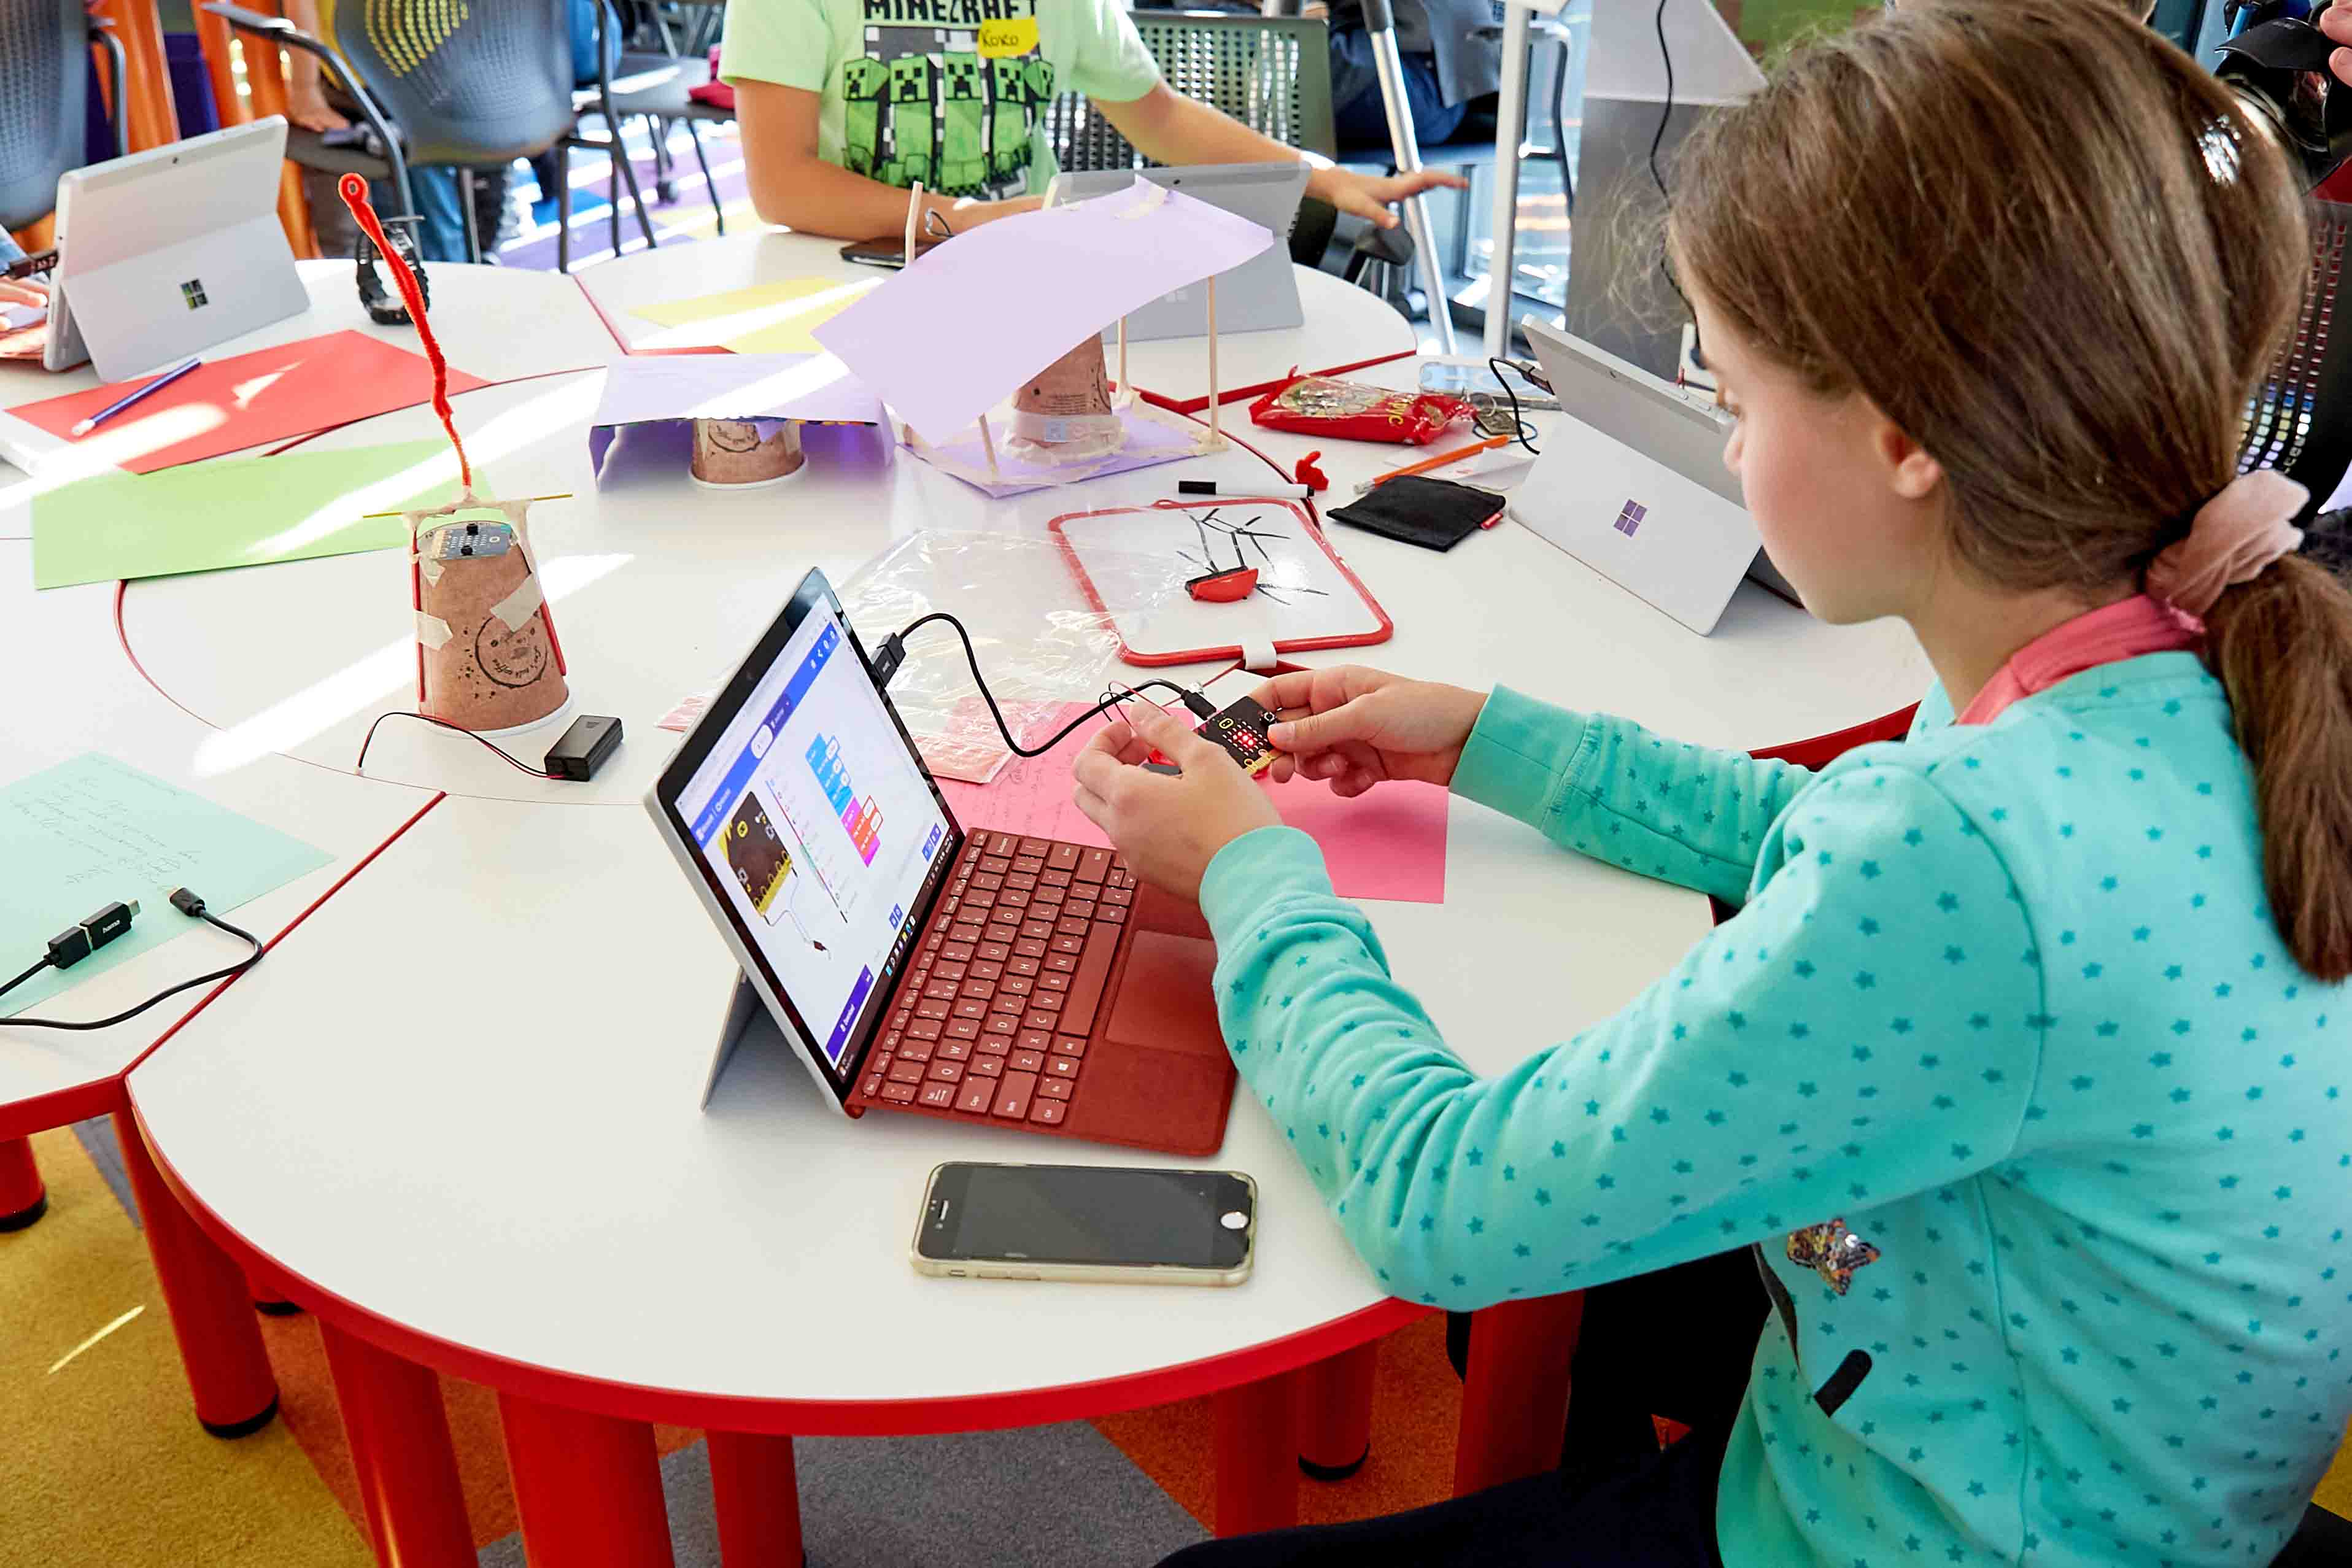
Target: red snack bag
{"x": 1325, "y": 405}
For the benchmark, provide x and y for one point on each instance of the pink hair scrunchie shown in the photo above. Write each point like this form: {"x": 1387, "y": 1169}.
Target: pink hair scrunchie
{"x": 2233, "y": 538}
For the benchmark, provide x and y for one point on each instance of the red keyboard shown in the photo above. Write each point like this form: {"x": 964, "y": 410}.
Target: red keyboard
{"x": 993, "y": 1018}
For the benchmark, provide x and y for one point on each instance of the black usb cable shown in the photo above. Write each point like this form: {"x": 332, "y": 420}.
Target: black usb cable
{"x": 77, "y": 942}
{"x": 893, "y": 653}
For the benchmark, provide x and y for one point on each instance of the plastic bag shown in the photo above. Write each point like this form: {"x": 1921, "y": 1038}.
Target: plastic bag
{"x": 1042, "y": 642}
{"x": 1326, "y": 406}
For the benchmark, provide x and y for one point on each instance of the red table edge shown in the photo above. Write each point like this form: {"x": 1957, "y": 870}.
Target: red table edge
{"x": 800, "y": 1417}
{"x": 1190, "y": 406}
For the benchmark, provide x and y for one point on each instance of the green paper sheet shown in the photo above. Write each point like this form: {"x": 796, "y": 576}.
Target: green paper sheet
{"x": 238, "y": 511}
{"x": 86, "y": 832}
{"x": 765, "y": 319}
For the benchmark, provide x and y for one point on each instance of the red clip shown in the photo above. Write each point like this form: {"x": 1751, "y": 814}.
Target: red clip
{"x": 1223, "y": 587}
{"x": 1311, "y": 476}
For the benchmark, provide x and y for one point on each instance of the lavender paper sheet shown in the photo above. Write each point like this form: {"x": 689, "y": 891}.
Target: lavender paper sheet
{"x": 952, "y": 336}
{"x": 644, "y": 388}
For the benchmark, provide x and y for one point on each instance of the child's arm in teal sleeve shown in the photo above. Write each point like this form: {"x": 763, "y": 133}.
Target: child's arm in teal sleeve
{"x": 1864, "y": 1030}
{"x": 1609, "y": 789}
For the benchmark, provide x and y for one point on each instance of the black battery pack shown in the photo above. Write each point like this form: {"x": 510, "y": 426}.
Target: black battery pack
{"x": 582, "y": 750}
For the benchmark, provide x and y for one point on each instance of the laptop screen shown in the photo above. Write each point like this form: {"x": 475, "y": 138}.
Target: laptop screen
{"x": 821, "y": 831}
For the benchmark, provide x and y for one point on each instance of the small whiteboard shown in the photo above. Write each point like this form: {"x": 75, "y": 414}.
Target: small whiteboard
{"x": 1305, "y": 597}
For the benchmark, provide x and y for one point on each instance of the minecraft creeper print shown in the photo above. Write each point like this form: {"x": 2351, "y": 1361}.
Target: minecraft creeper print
{"x": 863, "y": 84}
{"x": 2004, "y": 1000}
{"x": 1008, "y": 130}
{"x": 911, "y": 120}
{"x": 945, "y": 91}
{"x": 961, "y": 163}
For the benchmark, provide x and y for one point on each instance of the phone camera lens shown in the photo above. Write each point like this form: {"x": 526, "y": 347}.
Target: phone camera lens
{"x": 1234, "y": 1219}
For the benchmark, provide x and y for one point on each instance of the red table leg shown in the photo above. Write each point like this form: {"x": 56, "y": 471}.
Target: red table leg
{"x": 588, "y": 1487}
{"x": 212, "y": 1311}
{"x": 1334, "y": 1414}
{"x": 1514, "y": 1400}
{"x": 23, "y": 1199}
{"x": 1257, "y": 1445}
{"x": 756, "y": 1492}
{"x": 400, "y": 1445}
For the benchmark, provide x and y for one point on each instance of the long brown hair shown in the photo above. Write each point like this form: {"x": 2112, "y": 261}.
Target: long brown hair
{"x": 2051, "y": 248}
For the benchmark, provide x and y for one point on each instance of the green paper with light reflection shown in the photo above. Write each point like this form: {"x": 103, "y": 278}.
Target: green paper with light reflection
{"x": 237, "y": 511}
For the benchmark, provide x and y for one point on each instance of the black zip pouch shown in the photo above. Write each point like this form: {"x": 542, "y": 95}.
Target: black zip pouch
{"x": 1435, "y": 514}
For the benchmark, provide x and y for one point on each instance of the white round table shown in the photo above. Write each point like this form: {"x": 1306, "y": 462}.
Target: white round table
{"x": 456, "y": 1114}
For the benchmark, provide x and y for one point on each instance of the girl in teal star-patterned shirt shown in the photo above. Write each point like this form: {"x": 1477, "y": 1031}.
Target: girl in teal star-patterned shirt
{"x": 2016, "y": 1063}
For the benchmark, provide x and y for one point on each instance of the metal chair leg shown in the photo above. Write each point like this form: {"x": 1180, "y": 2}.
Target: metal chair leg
{"x": 637, "y": 197}
{"x": 466, "y": 209}
{"x": 563, "y": 205}
{"x": 717, "y": 211}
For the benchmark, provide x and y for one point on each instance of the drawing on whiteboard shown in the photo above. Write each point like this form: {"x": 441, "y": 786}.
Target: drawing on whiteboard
{"x": 1279, "y": 577}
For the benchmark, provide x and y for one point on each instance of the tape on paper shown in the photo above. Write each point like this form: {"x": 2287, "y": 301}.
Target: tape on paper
{"x": 431, "y": 630}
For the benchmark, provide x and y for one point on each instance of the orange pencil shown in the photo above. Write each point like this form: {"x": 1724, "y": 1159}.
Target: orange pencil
{"x": 1442, "y": 459}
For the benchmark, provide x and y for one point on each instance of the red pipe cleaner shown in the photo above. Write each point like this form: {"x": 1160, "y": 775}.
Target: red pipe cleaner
{"x": 354, "y": 189}
{"x": 354, "y": 192}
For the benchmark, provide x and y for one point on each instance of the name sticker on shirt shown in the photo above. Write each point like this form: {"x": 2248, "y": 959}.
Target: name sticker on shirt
{"x": 1005, "y": 40}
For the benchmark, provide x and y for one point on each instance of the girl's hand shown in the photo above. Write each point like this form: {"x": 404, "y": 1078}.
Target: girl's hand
{"x": 1169, "y": 829}
{"x": 1368, "y": 195}
{"x": 28, "y": 292}
{"x": 1366, "y": 725}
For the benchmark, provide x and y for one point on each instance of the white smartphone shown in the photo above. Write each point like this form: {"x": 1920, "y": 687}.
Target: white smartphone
{"x": 1104, "y": 1224}
{"x": 1465, "y": 377}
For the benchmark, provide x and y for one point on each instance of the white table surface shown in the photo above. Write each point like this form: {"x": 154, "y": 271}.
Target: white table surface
{"x": 464, "y": 1095}
{"x": 498, "y": 325}
{"x": 70, "y": 690}
{"x": 657, "y": 587}
{"x": 1344, "y": 325}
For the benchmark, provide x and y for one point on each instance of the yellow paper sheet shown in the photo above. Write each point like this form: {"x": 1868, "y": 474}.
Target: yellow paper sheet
{"x": 765, "y": 319}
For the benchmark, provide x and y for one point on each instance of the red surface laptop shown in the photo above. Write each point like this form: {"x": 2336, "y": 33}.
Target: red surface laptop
{"x": 979, "y": 976}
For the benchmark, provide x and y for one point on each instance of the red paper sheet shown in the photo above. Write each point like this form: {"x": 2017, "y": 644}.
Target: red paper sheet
{"x": 270, "y": 395}
{"x": 1387, "y": 844}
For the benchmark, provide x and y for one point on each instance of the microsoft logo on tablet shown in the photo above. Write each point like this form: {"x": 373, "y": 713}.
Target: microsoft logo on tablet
{"x": 192, "y": 291}
{"x": 1629, "y": 519}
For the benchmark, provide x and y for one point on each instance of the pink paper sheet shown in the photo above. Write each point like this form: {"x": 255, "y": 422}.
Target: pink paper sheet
{"x": 950, "y": 338}
{"x": 1388, "y": 844}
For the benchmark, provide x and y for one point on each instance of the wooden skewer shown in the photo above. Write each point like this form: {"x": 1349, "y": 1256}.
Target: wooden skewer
{"x": 564, "y": 496}
{"x": 1126, "y": 392}
{"x": 1213, "y": 435}
{"x": 988, "y": 445}
{"x": 914, "y": 210}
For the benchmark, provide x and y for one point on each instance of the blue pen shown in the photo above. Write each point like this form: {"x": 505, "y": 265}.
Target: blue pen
{"x": 166, "y": 378}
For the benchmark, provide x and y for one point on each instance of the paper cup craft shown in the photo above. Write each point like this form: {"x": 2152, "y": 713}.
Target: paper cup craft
{"x": 1005, "y": 294}
{"x": 736, "y": 405}
{"x": 486, "y": 655}
{"x": 1066, "y": 408}
{"x": 742, "y": 454}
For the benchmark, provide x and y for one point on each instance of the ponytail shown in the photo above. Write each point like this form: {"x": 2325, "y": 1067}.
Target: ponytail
{"x": 2281, "y": 644}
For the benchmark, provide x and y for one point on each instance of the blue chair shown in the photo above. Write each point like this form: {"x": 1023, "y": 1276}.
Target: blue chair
{"x": 45, "y": 101}
{"x": 467, "y": 88}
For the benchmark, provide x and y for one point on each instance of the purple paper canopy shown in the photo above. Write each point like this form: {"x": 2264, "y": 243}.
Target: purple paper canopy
{"x": 952, "y": 336}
